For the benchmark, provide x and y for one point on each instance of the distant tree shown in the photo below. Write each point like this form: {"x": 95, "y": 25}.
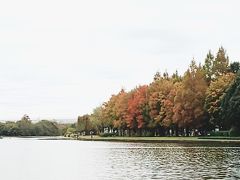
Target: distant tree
{"x": 46, "y": 128}
{"x": 9, "y": 128}
{"x": 97, "y": 119}
{"x": 25, "y": 126}
{"x": 62, "y": 128}
{"x": 84, "y": 124}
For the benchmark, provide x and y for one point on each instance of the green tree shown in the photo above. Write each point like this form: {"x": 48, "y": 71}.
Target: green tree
{"x": 97, "y": 119}
{"x": 9, "y": 128}
{"x": 25, "y": 126}
{"x": 214, "y": 95}
{"x": 234, "y": 67}
{"x": 231, "y": 105}
{"x": 46, "y": 128}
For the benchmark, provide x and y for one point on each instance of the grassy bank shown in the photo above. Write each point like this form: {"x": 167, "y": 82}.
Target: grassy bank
{"x": 161, "y": 139}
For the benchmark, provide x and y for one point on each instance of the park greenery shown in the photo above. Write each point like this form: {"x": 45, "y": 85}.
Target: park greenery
{"x": 205, "y": 99}
{"x": 25, "y": 127}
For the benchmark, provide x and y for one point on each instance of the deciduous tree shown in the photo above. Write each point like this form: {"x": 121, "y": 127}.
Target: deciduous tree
{"x": 189, "y": 100}
{"x": 214, "y": 95}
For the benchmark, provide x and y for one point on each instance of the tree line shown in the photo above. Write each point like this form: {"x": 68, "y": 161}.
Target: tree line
{"x": 25, "y": 127}
{"x": 205, "y": 98}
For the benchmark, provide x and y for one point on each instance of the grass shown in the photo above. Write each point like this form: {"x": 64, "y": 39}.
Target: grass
{"x": 161, "y": 139}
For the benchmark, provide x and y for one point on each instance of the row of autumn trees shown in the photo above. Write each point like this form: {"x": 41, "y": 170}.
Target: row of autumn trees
{"x": 195, "y": 103}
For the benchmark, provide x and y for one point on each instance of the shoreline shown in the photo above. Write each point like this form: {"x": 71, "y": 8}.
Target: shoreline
{"x": 204, "y": 139}
{"x": 162, "y": 139}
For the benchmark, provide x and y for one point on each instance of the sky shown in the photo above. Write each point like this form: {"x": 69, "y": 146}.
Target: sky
{"x": 62, "y": 58}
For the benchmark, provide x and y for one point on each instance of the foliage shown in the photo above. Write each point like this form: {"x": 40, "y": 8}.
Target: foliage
{"x": 231, "y": 104}
{"x": 84, "y": 124}
{"x": 221, "y": 63}
{"x": 25, "y": 127}
{"x": 97, "y": 119}
{"x": 214, "y": 95}
{"x": 171, "y": 104}
{"x": 46, "y": 128}
{"x": 70, "y": 131}
{"x": 235, "y": 67}
{"x": 208, "y": 67}
{"x": 137, "y": 110}
{"x": 159, "y": 101}
{"x": 189, "y": 100}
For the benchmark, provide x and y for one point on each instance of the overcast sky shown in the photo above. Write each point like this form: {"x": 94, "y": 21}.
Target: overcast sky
{"x": 60, "y": 59}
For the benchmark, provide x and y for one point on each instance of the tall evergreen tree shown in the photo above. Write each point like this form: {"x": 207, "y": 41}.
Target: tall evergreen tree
{"x": 208, "y": 67}
{"x": 221, "y": 63}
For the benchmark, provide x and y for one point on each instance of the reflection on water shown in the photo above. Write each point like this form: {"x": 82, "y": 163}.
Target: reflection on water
{"x": 31, "y": 159}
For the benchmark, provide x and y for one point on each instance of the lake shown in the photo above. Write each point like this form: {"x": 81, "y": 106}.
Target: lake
{"x": 34, "y": 159}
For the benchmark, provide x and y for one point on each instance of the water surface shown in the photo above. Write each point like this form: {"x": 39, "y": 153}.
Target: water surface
{"x": 33, "y": 159}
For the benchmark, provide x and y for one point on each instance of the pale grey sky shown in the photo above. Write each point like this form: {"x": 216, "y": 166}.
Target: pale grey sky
{"x": 62, "y": 58}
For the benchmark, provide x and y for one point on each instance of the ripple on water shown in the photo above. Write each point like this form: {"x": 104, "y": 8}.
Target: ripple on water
{"x": 61, "y": 160}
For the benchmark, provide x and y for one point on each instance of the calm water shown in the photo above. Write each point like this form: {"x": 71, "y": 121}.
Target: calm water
{"x": 33, "y": 159}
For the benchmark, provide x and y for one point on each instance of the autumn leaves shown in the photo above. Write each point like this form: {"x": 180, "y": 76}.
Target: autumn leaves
{"x": 172, "y": 102}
